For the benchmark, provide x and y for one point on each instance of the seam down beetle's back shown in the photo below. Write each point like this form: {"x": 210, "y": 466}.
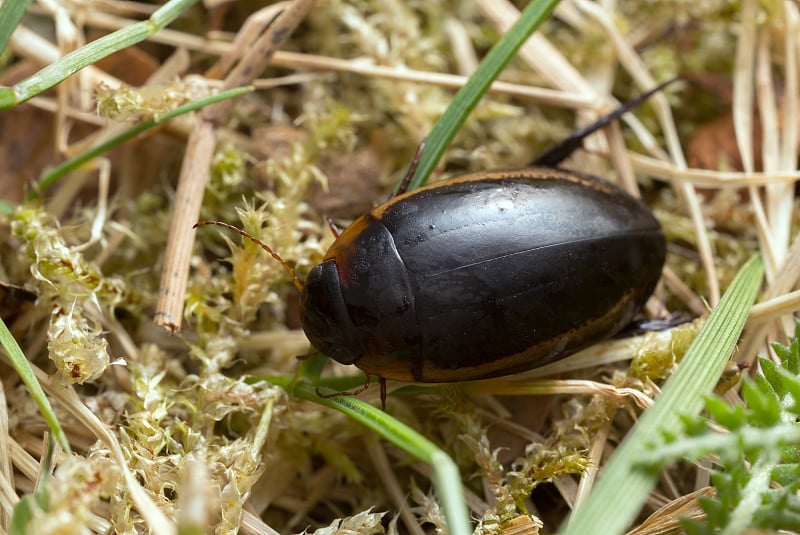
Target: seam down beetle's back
{"x": 484, "y": 275}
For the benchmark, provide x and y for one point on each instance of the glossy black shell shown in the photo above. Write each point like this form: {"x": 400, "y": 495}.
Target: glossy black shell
{"x": 483, "y": 275}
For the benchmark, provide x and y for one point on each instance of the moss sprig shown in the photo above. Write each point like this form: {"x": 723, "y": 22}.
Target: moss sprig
{"x": 76, "y": 291}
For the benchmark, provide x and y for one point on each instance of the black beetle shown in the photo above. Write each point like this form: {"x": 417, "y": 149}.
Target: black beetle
{"x": 484, "y": 275}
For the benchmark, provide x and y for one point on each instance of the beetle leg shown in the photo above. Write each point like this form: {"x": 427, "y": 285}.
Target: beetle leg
{"x": 382, "y": 382}
{"x": 334, "y": 229}
{"x": 564, "y": 148}
{"x": 648, "y": 325}
{"x": 359, "y": 391}
{"x": 410, "y": 173}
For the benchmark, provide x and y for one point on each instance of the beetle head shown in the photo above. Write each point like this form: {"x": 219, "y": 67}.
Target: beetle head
{"x": 324, "y": 315}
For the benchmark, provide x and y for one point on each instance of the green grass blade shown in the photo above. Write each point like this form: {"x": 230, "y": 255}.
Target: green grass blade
{"x": 468, "y": 96}
{"x": 20, "y": 363}
{"x": 49, "y": 178}
{"x": 446, "y": 477}
{"x": 11, "y": 12}
{"x": 624, "y": 486}
{"x": 76, "y": 60}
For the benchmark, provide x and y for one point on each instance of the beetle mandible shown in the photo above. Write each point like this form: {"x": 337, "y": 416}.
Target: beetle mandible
{"x": 486, "y": 274}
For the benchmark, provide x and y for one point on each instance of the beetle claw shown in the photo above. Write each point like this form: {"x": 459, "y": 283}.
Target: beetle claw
{"x": 359, "y": 391}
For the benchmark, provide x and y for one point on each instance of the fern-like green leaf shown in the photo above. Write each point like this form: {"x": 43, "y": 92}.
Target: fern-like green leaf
{"x": 757, "y": 471}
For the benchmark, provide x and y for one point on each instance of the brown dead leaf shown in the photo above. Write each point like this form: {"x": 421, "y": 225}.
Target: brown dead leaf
{"x": 15, "y": 303}
{"x": 713, "y": 145}
{"x": 356, "y": 180}
{"x": 26, "y": 139}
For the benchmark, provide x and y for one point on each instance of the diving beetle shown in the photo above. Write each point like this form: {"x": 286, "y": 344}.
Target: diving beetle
{"x": 484, "y": 275}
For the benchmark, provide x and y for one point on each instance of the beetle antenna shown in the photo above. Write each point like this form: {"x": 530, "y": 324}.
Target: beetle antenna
{"x": 273, "y": 254}
{"x": 564, "y": 148}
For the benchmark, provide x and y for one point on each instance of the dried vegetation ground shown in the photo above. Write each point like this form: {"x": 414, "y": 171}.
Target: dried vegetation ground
{"x": 165, "y": 428}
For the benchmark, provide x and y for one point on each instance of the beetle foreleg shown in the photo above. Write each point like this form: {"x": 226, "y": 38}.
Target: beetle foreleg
{"x": 359, "y": 391}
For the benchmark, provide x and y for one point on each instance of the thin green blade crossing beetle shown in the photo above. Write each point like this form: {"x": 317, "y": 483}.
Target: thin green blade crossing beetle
{"x": 483, "y": 275}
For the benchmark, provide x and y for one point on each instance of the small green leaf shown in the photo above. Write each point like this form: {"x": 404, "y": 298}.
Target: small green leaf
{"x": 791, "y": 387}
{"x": 22, "y": 516}
{"x": 772, "y": 518}
{"x": 761, "y": 401}
{"x": 783, "y": 352}
{"x": 790, "y": 354}
{"x": 787, "y": 474}
{"x": 25, "y": 510}
{"x": 693, "y": 527}
{"x": 312, "y": 367}
{"x": 716, "y": 513}
{"x": 729, "y": 416}
{"x": 769, "y": 371}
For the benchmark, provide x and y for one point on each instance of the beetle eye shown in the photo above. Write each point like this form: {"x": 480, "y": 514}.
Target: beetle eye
{"x": 324, "y": 315}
